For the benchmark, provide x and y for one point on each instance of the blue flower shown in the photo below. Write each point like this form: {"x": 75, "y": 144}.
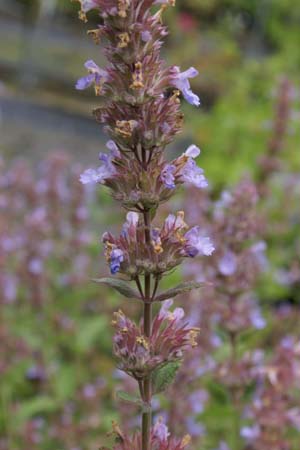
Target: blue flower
{"x": 129, "y": 227}
{"x": 191, "y": 173}
{"x": 167, "y": 176}
{"x": 227, "y": 265}
{"x": 250, "y": 433}
{"x": 257, "y": 319}
{"x": 116, "y": 258}
{"x": 96, "y": 76}
{"x": 181, "y": 81}
{"x": 99, "y": 175}
{"x": 197, "y": 244}
{"x": 160, "y": 431}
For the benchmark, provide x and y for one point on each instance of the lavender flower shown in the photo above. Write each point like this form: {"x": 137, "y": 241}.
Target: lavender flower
{"x": 167, "y": 176}
{"x": 96, "y": 76}
{"x": 181, "y": 81}
{"x": 160, "y": 430}
{"x": 228, "y": 263}
{"x": 250, "y": 433}
{"x": 107, "y": 170}
{"x": 197, "y": 244}
{"x": 116, "y": 258}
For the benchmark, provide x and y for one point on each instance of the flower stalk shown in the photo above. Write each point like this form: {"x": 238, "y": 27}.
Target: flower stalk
{"x": 141, "y": 114}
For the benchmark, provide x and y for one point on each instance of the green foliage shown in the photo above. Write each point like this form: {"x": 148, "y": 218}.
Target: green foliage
{"x": 164, "y": 376}
{"x": 121, "y": 286}
{"x": 180, "y": 289}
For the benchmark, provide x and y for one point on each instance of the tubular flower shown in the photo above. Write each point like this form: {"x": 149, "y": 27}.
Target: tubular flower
{"x": 105, "y": 171}
{"x": 116, "y": 258}
{"x": 167, "y": 176}
{"x": 96, "y": 76}
{"x": 170, "y": 244}
{"x": 181, "y": 81}
{"x": 197, "y": 244}
{"x": 187, "y": 170}
{"x": 138, "y": 355}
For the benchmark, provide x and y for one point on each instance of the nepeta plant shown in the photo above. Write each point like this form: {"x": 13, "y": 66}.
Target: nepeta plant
{"x": 141, "y": 114}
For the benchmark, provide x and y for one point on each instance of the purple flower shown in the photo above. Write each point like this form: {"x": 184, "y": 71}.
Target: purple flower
{"x": 165, "y": 314}
{"x": 194, "y": 175}
{"x": 10, "y": 288}
{"x": 250, "y": 433}
{"x": 259, "y": 251}
{"x": 197, "y": 244}
{"x": 116, "y": 258}
{"x": 180, "y": 80}
{"x": 112, "y": 147}
{"x": 194, "y": 429}
{"x": 106, "y": 170}
{"x": 223, "y": 446}
{"x": 160, "y": 430}
{"x": 87, "y": 5}
{"x": 164, "y": 310}
{"x": 197, "y": 400}
{"x": 192, "y": 151}
{"x": 228, "y": 264}
{"x": 257, "y": 319}
{"x": 146, "y": 36}
{"x": 187, "y": 169}
{"x": 96, "y": 76}
{"x": 35, "y": 266}
{"x": 167, "y": 176}
{"x": 175, "y": 223}
{"x": 132, "y": 220}
{"x": 294, "y": 417}
{"x": 91, "y": 176}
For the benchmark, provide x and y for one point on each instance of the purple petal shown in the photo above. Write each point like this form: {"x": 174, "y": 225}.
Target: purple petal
{"x": 85, "y": 82}
{"x": 92, "y": 66}
{"x": 192, "y": 151}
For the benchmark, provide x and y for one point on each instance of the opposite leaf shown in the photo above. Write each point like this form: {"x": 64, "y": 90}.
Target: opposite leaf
{"x": 128, "y": 398}
{"x": 119, "y": 285}
{"x": 164, "y": 376}
{"x": 180, "y": 289}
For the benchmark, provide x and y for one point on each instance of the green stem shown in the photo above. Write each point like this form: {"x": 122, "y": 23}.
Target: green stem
{"x": 147, "y": 416}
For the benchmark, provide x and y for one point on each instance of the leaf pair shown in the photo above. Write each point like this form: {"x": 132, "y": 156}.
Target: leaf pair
{"x": 162, "y": 378}
{"x": 125, "y": 289}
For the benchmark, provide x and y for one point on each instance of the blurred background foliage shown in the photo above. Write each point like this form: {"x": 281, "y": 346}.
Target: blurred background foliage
{"x": 57, "y": 373}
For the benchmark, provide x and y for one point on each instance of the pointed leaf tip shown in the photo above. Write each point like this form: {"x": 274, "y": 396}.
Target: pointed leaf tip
{"x": 119, "y": 285}
{"x": 180, "y": 289}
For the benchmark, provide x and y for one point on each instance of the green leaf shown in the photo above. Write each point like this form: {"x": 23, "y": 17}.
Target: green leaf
{"x": 39, "y": 405}
{"x": 128, "y": 398}
{"x": 180, "y": 289}
{"x": 164, "y": 376}
{"x": 119, "y": 285}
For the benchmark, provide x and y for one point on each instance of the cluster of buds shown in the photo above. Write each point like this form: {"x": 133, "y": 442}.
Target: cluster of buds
{"x": 132, "y": 255}
{"x": 139, "y": 355}
{"x": 141, "y": 114}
